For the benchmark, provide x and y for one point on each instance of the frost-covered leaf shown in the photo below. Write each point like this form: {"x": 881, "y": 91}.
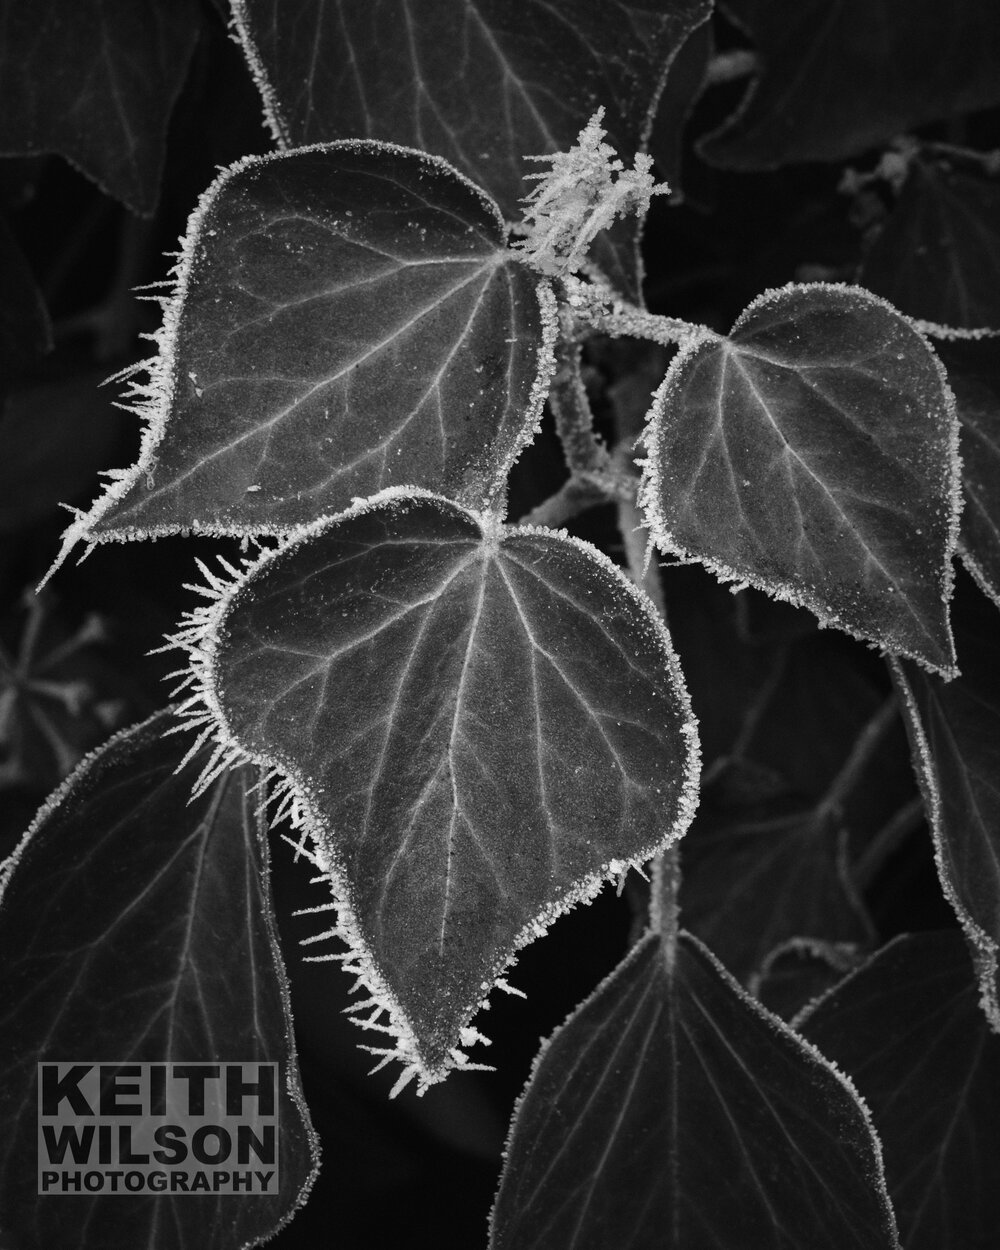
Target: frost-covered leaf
{"x": 974, "y": 376}
{"x": 671, "y": 1111}
{"x": 812, "y": 453}
{"x": 760, "y": 872}
{"x": 480, "y": 725}
{"x": 482, "y": 84}
{"x": 954, "y": 732}
{"x": 937, "y": 257}
{"x": 837, "y": 79}
{"x": 96, "y": 81}
{"x": 137, "y": 927}
{"x": 908, "y": 1030}
{"x": 346, "y": 318}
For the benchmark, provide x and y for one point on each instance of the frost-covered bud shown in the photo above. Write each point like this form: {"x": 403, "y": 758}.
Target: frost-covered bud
{"x": 582, "y": 194}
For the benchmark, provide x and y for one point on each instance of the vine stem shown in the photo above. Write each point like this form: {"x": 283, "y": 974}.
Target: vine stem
{"x": 598, "y": 308}
{"x": 892, "y": 835}
{"x": 664, "y": 906}
{"x": 860, "y": 757}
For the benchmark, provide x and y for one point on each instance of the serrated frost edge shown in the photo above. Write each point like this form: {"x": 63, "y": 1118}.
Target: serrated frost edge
{"x": 201, "y": 711}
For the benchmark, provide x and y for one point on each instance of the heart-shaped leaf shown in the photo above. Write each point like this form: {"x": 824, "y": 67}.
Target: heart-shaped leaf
{"x": 938, "y": 255}
{"x": 479, "y": 725}
{"x": 482, "y": 84}
{"x": 346, "y": 318}
{"x": 907, "y": 1028}
{"x": 673, "y": 1111}
{"x": 136, "y": 928}
{"x": 954, "y": 730}
{"x": 96, "y": 81}
{"x": 823, "y": 93}
{"x": 813, "y": 453}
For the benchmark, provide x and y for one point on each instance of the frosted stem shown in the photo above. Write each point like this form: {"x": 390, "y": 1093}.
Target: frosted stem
{"x": 602, "y": 310}
{"x": 585, "y": 451}
{"x": 664, "y": 908}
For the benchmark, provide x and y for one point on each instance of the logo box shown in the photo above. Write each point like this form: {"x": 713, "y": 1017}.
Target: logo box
{"x": 191, "y": 1128}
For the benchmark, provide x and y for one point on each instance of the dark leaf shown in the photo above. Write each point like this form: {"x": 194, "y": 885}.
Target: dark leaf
{"x": 482, "y": 84}
{"x": 908, "y": 1030}
{"x": 974, "y": 376}
{"x": 480, "y": 725}
{"x": 798, "y": 972}
{"x": 794, "y": 698}
{"x": 938, "y": 255}
{"x": 680, "y": 94}
{"x": 837, "y": 79}
{"x": 954, "y": 732}
{"x": 802, "y": 454}
{"x": 346, "y": 318}
{"x": 671, "y": 1111}
{"x": 136, "y": 927}
{"x": 760, "y": 872}
{"x": 96, "y": 81}
{"x": 24, "y": 320}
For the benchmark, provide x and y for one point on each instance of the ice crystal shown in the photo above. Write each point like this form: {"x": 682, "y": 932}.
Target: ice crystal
{"x": 581, "y": 195}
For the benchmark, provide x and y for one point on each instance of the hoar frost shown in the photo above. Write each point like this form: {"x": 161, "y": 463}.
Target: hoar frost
{"x": 581, "y": 195}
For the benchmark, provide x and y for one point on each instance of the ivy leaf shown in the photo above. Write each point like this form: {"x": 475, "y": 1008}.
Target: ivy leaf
{"x": 795, "y": 697}
{"x": 683, "y": 88}
{"x": 671, "y": 1110}
{"x": 96, "y": 81}
{"x": 937, "y": 257}
{"x": 408, "y": 74}
{"x": 800, "y": 971}
{"x": 137, "y": 927}
{"x": 803, "y": 453}
{"x": 908, "y": 1029}
{"x": 346, "y": 318}
{"x": 479, "y": 726}
{"x": 974, "y": 375}
{"x": 823, "y": 93}
{"x": 757, "y": 874}
{"x": 954, "y": 731}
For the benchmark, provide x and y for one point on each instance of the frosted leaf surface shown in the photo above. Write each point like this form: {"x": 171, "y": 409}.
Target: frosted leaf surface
{"x": 480, "y": 83}
{"x": 346, "y": 318}
{"x": 907, "y": 1028}
{"x": 480, "y": 725}
{"x": 813, "y": 454}
{"x": 136, "y": 927}
{"x": 671, "y": 1110}
{"x": 954, "y": 731}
